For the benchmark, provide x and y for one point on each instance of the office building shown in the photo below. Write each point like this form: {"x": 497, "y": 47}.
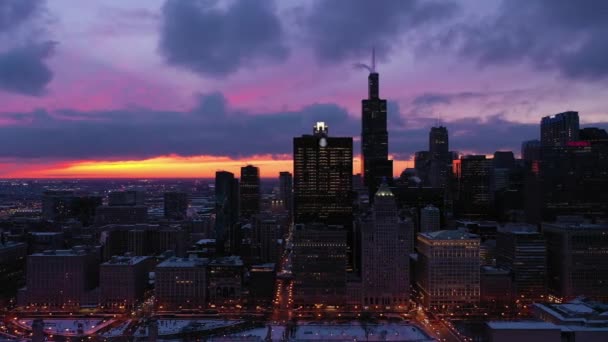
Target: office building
{"x": 319, "y": 264}
{"x": 123, "y": 281}
{"x": 12, "y": 266}
{"x": 523, "y": 253}
{"x": 181, "y": 283}
{"x": 385, "y": 249}
{"x": 576, "y": 260}
{"x": 286, "y": 190}
{"x": 225, "y": 281}
{"x": 323, "y": 169}
{"x": 61, "y": 278}
{"x": 474, "y": 190}
{"x": 250, "y": 191}
{"x": 440, "y": 157}
{"x": 226, "y": 211}
{"x": 430, "y": 219}
{"x": 375, "y": 165}
{"x": 448, "y": 270}
{"x": 262, "y": 281}
{"x": 176, "y": 205}
{"x": 559, "y": 129}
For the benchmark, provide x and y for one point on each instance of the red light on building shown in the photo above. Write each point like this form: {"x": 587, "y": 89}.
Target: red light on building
{"x": 578, "y": 144}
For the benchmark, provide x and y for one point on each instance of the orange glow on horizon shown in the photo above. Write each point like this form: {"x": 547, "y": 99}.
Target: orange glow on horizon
{"x": 171, "y": 166}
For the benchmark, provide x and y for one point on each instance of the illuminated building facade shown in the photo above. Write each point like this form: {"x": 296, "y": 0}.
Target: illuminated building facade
{"x": 448, "y": 270}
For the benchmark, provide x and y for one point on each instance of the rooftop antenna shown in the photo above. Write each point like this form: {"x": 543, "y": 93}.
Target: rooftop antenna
{"x": 373, "y": 60}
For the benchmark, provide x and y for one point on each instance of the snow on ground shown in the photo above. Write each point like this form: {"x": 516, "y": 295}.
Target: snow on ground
{"x": 68, "y": 326}
{"x": 314, "y": 331}
{"x": 118, "y": 330}
{"x": 175, "y": 326}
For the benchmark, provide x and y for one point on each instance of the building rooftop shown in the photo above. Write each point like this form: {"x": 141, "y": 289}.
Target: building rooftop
{"x": 522, "y": 325}
{"x": 449, "y": 235}
{"x": 124, "y": 260}
{"x": 575, "y": 226}
{"x": 205, "y": 242}
{"x": 233, "y": 260}
{"x": 183, "y": 262}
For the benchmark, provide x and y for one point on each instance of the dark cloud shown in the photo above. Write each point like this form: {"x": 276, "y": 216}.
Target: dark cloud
{"x": 14, "y": 12}
{"x": 213, "y": 128}
{"x": 563, "y": 35}
{"x": 213, "y": 41}
{"x": 22, "y": 70}
{"x": 341, "y": 30}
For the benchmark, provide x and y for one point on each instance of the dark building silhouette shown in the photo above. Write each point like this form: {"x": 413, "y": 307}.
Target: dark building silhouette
{"x": 523, "y": 253}
{"x": 475, "y": 176}
{"x": 375, "y": 164}
{"x": 559, "y": 129}
{"x": 125, "y": 198}
{"x": 422, "y": 165}
{"x": 226, "y": 210}
{"x": 62, "y": 205}
{"x": 176, "y": 205}
{"x": 440, "y": 159}
{"x": 286, "y": 190}
{"x": 530, "y": 150}
{"x": 250, "y": 191}
{"x": 319, "y": 264}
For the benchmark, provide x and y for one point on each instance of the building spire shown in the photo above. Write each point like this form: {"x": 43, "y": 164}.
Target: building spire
{"x": 373, "y": 59}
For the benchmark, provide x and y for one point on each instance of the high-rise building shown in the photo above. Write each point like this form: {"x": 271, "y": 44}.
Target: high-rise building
{"x": 12, "y": 266}
{"x": 123, "y": 281}
{"x": 375, "y": 165}
{"x": 250, "y": 191}
{"x": 475, "y": 197}
{"x": 385, "y": 250}
{"x": 559, "y": 129}
{"x": 61, "y": 278}
{"x": 176, "y": 205}
{"x": 524, "y": 254}
{"x": 576, "y": 260}
{"x": 430, "y": 219}
{"x": 225, "y": 281}
{"x": 286, "y": 190}
{"x": 181, "y": 284}
{"x": 422, "y": 165}
{"x": 61, "y": 205}
{"x": 226, "y": 210}
{"x": 323, "y": 170}
{"x": 530, "y": 150}
{"x": 128, "y": 214}
{"x": 439, "y": 157}
{"x": 448, "y": 270}
{"x": 319, "y": 264}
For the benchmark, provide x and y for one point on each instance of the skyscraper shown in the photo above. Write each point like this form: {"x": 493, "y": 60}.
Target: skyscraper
{"x": 226, "y": 208}
{"x": 286, "y": 190}
{"x": 439, "y": 157}
{"x": 250, "y": 191}
{"x": 385, "y": 247}
{"x": 559, "y": 129}
{"x": 430, "y": 219}
{"x": 323, "y": 168}
{"x": 475, "y": 185}
{"x": 374, "y": 137}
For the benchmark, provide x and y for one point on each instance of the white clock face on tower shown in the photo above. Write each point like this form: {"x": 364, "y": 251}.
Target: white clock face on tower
{"x": 323, "y": 142}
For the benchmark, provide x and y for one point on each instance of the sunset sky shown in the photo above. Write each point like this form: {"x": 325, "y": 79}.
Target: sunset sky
{"x": 176, "y": 88}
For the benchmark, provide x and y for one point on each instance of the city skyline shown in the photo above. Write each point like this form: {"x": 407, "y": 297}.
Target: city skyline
{"x": 142, "y": 105}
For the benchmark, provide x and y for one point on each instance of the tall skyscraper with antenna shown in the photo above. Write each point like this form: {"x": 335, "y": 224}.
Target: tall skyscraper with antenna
{"x": 375, "y": 165}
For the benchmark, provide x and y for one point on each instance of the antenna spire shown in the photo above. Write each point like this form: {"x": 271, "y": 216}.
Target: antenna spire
{"x": 373, "y": 59}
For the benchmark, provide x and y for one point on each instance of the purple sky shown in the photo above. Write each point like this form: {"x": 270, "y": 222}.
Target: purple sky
{"x": 118, "y": 80}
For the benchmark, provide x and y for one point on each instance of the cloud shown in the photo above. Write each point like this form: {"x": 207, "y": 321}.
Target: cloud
{"x": 22, "y": 70}
{"x": 14, "y": 12}
{"x": 214, "y": 128}
{"x": 562, "y": 35}
{"x": 212, "y": 41}
{"x": 340, "y": 30}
